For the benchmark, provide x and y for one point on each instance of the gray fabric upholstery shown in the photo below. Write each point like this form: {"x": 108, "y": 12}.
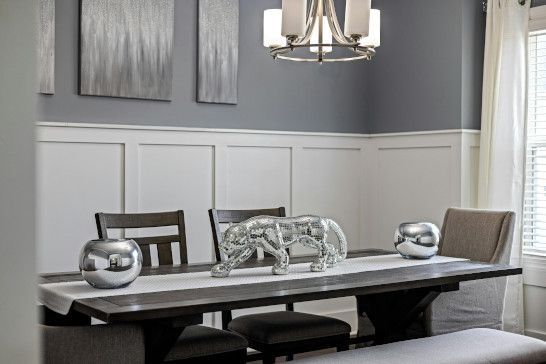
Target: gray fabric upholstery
{"x": 481, "y": 236}
{"x": 484, "y": 236}
{"x": 475, "y": 304}
{"x": 476, "y": 346}
{"x": 92, "y": 344}
{"x": 198, "y": 341}
{"x": 287, "y": 326}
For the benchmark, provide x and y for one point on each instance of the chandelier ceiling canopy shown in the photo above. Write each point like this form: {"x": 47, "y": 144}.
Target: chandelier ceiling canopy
{"x": 309, "y": 31}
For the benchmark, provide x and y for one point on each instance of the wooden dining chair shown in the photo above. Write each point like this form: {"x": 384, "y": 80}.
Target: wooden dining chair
{"x": 196, "y": 343}
{"x": 281, "y": 333}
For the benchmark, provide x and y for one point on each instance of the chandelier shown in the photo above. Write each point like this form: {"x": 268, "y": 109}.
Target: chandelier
{"x": 309, "y": 31}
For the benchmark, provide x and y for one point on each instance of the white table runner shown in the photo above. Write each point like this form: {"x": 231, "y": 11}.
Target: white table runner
{"x": 59, "y": 296}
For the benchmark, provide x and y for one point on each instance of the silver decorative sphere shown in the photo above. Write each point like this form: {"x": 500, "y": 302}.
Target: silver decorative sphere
{"x": 110, "y": 263}
{"x": 418, "y": 240}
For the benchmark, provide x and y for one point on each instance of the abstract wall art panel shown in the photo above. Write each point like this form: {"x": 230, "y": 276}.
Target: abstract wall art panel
{"x": 46, "y": 47}
{"x": 126, "y": 48}
{"x": 218, "y": 51}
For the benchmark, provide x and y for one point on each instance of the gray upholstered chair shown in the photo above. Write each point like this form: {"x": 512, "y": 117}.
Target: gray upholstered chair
{"x": 92, "y": 344}
{"x": 478, "y": 235}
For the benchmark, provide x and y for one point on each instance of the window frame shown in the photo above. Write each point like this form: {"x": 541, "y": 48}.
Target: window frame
{"x": 537, "y": 23}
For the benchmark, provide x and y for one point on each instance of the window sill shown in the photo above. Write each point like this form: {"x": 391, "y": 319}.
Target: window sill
{"x": 534, "y": 268}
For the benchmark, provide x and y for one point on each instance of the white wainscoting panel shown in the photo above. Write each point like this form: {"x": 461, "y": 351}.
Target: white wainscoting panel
{"x": 368, "y": 183}
{"x": 180, "y": 177}
{"x": 415, "y": 185}
{"x": 74, "y": 180}
{"x": 258, "y": 177}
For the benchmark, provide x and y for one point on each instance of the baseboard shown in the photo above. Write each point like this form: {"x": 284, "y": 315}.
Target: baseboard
{"x": 536, "y": 334}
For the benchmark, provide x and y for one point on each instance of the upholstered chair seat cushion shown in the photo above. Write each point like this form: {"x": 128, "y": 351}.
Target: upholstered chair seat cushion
{"x": 199, "y": 341}
{"x": 92, "y": 344}
{"x": 473, "y": 346}
{"x": 287, "y": 326}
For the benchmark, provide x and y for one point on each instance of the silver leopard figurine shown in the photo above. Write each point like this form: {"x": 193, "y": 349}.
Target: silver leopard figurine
{"x": 274, "y": 235}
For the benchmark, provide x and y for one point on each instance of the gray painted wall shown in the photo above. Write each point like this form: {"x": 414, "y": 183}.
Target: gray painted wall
{"x": 538, "y": 2}
{"x": 472, "y": 42}
{"x": 272, "y": 95}
{"x": 18, "y": 337}
{"x": 426, "y": 76}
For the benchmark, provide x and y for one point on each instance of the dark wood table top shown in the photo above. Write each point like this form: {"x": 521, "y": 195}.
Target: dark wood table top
{"x": 172, "y": 304}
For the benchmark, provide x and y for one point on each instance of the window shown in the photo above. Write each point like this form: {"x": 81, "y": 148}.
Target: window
{"x": 534, "y": 219}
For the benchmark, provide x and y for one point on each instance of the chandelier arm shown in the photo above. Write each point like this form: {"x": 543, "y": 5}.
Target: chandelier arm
{"x": 311, "y": 20}
{"x": 334, "y": 24}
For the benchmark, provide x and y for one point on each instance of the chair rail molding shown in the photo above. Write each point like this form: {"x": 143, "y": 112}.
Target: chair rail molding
{"x": 86, "y": 168}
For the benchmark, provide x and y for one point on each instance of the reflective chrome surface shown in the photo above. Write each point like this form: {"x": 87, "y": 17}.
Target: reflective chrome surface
{"x": 318, "y": 9}
{"x": 110, "y": 263}
{"x": 274, "y": 235}
{"x": 417, "y": 240}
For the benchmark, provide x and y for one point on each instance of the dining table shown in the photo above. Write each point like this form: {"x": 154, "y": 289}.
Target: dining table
{"x": 391, "y": 298}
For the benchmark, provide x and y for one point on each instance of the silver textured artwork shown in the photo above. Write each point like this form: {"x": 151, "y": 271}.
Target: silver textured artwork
{"x": 274, "y": 235}
{"x": 110, "y": 263}
{"x": 46, "y": 47}
{"x": 417, "y": 240}
{"x": 126, "y": 48}
{"x": 218, "y": 51}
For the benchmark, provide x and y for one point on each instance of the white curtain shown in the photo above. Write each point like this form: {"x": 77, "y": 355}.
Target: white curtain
{"x": 502, "y": 146}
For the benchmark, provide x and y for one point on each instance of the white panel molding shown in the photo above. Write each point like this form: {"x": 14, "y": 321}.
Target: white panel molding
{"x": 352, "y": 167}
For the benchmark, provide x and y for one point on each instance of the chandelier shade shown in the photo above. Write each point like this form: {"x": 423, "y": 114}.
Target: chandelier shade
{"x": 357, "y": 18}
{"x": 374, "y": 37}
{"x": 272, "y": 29}
{"x": 309, "y": 31}
{"x": 326, "y": 36}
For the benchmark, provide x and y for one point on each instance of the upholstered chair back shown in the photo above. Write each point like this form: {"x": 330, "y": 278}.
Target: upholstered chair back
{"x": 479, "y": 235}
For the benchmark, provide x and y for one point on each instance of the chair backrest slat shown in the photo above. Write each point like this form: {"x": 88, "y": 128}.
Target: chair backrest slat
{"x": 137, "y": 221}
{"x": 149, "y": 220}
{"x": 146, "y": 255}
{"x": 151, "y": 240}
{"x": 218, "y": 217}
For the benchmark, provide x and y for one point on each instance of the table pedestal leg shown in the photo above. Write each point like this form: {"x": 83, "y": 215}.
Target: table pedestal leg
{"x": 392, "y": 313}
{"x": 161, "y": 336}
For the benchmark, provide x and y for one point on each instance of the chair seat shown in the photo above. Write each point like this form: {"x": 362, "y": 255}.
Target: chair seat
{"x": 199, "y": 341}
{"x": 287, "y": 326}
{"x": 464, "y": 347}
